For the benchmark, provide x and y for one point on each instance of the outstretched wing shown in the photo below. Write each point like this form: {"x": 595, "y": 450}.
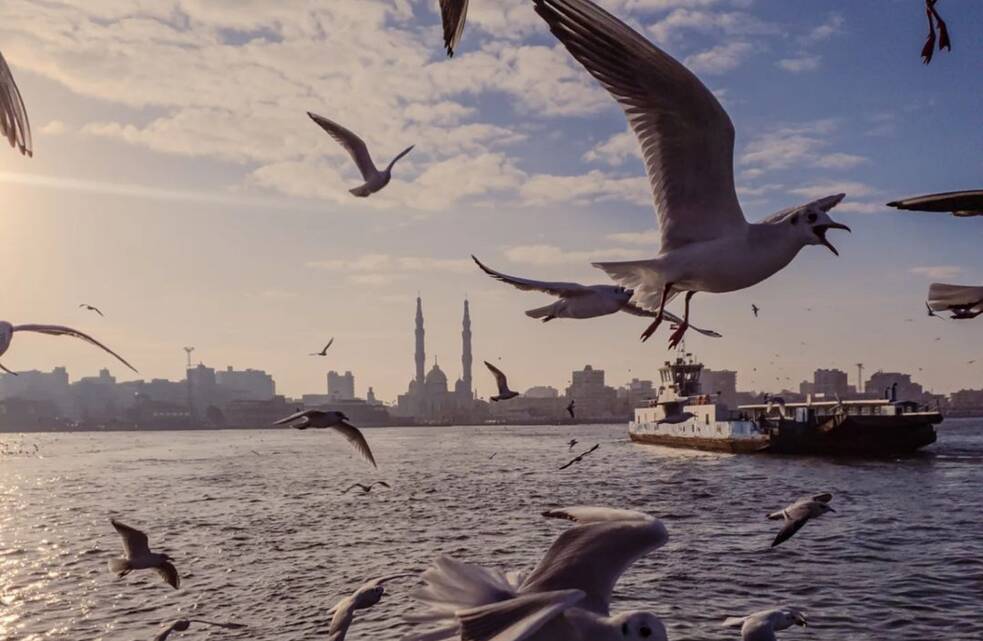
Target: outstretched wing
{"x": 61, "y": 330}
{"x": 135, "y": 542}
{"x": 354, "y": 436}
{"x": 500, "y": 380}
{"x": 791, "y": 527}
{"x": 942, "y": 297}
{"x": 168, "y": 572}
{"x": 516, "y": 619}
{"x": 295, "y": 416}
{"x": 687, "y": 138}
{"x": 594, "y": 554}
{"x": 352, "y": 143}
{"x": 563, "y": 290}
{"x": 963, "y": 203}
{"x": 14, "y": 125}
{"x": 453, "y": 14}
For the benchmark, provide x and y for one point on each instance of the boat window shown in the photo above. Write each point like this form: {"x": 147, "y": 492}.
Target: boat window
{"x": 707, "y": 417}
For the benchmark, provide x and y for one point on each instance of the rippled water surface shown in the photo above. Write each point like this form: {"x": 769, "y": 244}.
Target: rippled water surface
{"x": 263, "y": 536}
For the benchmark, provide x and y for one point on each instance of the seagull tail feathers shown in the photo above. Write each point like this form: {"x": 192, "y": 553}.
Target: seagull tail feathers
{"x": 362, "y": 191}
{"x": 642, "y": 276}
{"x": 119, "y": 566}
{"x": 541, "y": 312}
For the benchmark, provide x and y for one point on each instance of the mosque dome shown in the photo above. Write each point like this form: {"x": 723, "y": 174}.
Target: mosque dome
{"x": 436, "y": 378}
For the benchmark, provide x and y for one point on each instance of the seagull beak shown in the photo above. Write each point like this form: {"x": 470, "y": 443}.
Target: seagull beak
{"x": 820, "y": 231}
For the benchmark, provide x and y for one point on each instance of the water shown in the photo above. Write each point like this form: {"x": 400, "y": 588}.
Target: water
{"x": 262, "y": 535}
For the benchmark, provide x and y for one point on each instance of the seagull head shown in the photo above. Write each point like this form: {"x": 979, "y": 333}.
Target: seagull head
{"x": 640, "y": 626}
{"x": 787, "y": 617}
{"x": 811, "y": 221}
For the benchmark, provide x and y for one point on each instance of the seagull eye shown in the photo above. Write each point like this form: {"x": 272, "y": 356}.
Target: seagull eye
{"x": 812, "y": 218}
{"x": 645, "y": 631}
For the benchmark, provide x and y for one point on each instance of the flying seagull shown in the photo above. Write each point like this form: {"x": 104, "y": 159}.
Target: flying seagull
{"x": 570, "y": 407}
{"x": 14, "y": 125}
{"x": 579, "y": 457}
{"x": 7, "y": 334}
{"x": 453, "y": 14}
{"x": 755, "y": 309}
{"x": 572, "y": 442}
{"x": 567, "y": 596}
{"x": 183, "y": 624}
{"x": 366, "y": 488}
{"x": 797, "y": 514}
{"x": 504, "y": 393}
{"x": 317, "y": 419}
{"x": 375, "y": 180}
{"x": 139, "y": 556}
{"x": 934, "y": 19}
{"x": 581, "y": 301}
{"x": 761, "y": 626}
{"x": 367, "y": 595}
{"x": 962, "y": 204}
{"x": 964, "y": 301}
{"x": 91, "y": 308}
{"x": 324, "y": 352}
{"x": 687, "y": 140}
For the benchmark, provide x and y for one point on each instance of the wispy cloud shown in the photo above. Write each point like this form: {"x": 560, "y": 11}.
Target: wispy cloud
{"x": 800, "y": 64}
{"x": 647, "y": 237}
{"x": 552, "y": 255}
{"x": 940, "y": 272}
{"x": 719, "y": 59}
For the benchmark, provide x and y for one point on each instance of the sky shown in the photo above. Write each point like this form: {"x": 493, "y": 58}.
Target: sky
{"x": 178, "y": 185}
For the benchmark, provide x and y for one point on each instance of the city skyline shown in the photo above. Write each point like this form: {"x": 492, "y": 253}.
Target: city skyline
{"x": 242, "y": 239}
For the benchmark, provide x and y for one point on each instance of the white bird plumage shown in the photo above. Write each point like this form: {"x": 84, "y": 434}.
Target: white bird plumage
{"x": 14, "y": 124}
{"x": 136, "y": 546}
{"x": 762, "y": 625}
{"x": 375, "y": 180}
{"x": 367, "y": 595}
{"x": 799, "y": 513}
{"x": 687, "y": 142}
{"x": 7, "y": 331}
{"x": 337, "y": 421}
{"x": 567, "y": 597}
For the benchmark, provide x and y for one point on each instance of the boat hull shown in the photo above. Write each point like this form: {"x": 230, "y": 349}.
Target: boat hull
{"x": 742, "y": 446}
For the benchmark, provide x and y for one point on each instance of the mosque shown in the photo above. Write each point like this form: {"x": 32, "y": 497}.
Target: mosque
{"x": 428, "y": 397}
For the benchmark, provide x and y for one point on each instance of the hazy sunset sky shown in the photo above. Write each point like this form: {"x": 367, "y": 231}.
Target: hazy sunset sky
{"x": 178, "y": 185}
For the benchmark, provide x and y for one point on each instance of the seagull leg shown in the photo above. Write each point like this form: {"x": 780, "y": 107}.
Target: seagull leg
{"x": 681, "y": 330}
{"x": 658, "y": 317}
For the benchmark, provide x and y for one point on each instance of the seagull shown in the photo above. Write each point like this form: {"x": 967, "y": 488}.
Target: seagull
{"x": 91, "y": 309}
{"x": 579, "y": 457}
{"x": 761, "y": 626}
{"x": 453, "y": 14}
{"x": 7, "y": 334}
{"x": 324, "y": 352}
{"x": 570, "y": 407}
{"x": 183, "y": 624}
{"x": 933, "y": 19}
{"x": 367, "y": 488}
{"x": 755, "y": 309}
{"x": 964, "y": 301}
{"x": 581, "y": 301}
{"x": 375, "y": 180}
{"x": 317, "y": 419}
{"x": 961, "y": 204}
{"x": 572, "y": 442}
{"x": 688, "y": 141}
{"x": 797, "y": 514}
{"x": 567, "y": 596}
{"x": 139, "y": 556}
{"x": 504, "y": 393}
{"x": 14, "y": 125}
{"x": 367, "y": 595}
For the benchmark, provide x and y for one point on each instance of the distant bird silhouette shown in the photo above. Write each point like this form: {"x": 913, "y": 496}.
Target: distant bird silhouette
{"x": 318, "y": 419}
{"x": 958, "y": 203}
{"x": 367, "y": 595}
{"x": 324, "y": 352}
{"x": 366, "y": 488}
{"x": 7, "y": 334}
{"x": 183, "y": 624}
{"x": 453, "y": 14}
{"x": 570, "y": 407}
{"x": 755, "y": 309}
{"x": 139, "y": 557}
{"x": 799, "y": 513}
{"x": 375, "y": 180}
{"x": 91, "y": 309}
{"x": 934, "y": 21}
{"x": 579, "y": 457}
{"x": 572, "y": 442}
{"x": 494, "y": 454}
{"x": 14, "y": 125}
{"x": 504, "y": 393}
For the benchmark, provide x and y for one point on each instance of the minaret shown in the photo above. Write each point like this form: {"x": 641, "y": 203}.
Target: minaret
{"x": 466, "y": 351}
{"x": 421, "y": 356}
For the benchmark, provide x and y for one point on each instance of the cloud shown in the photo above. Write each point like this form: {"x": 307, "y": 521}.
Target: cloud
{"x": 616, "y": 149}
{"x": 840, "y": 161}
{"x": 800, "y": 64}
{"x": 594, "y": 186}
{"x": 832, "y": 26}
{"x": 851, "y": 188}
{"x": 646, "y": 237}
{"x": 938, "y": 272}
{"x": 719, "y": 59}
{"x": 788, "y": 145}
{"x": 369, "y": 263}
{"x": 861, "y": 207}
{"x": 728, "y": 23}
{"x": 552, "y": 255}
{"x": 54, "y": 128}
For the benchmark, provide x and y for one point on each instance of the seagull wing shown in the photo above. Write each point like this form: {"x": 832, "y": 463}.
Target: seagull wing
{"x": 61, "y": 330}
{"x": 135, "y": 542}
{"x": 500, "y": 379}
{"x": 387, "y": 486}
{"x": 328, "y": 346}
{"x": 168, "y": 572}
{"x": 942, "y": 297}
{"x": 592, "y": 555}
{"x": 353, "y": 486}
{"x": 14, "y": 125}
{"x": 687, "y": 138}
{"x": 295, "y": 416}
{"x": 965, "y": 203}
{"x": 563, "y": 290}
{"x": 382, "y": 580}
{"x": 792, "y": 526}
{"x": 354, "y": 436}
{"x": 518, "y": 618}
{"x": 453, "y": 14}
{"x": 635, "y": 310}
{"x": 352, "y": 143}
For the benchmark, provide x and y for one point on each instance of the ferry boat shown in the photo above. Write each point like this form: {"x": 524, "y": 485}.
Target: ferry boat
{"x": 682, "y": 416}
